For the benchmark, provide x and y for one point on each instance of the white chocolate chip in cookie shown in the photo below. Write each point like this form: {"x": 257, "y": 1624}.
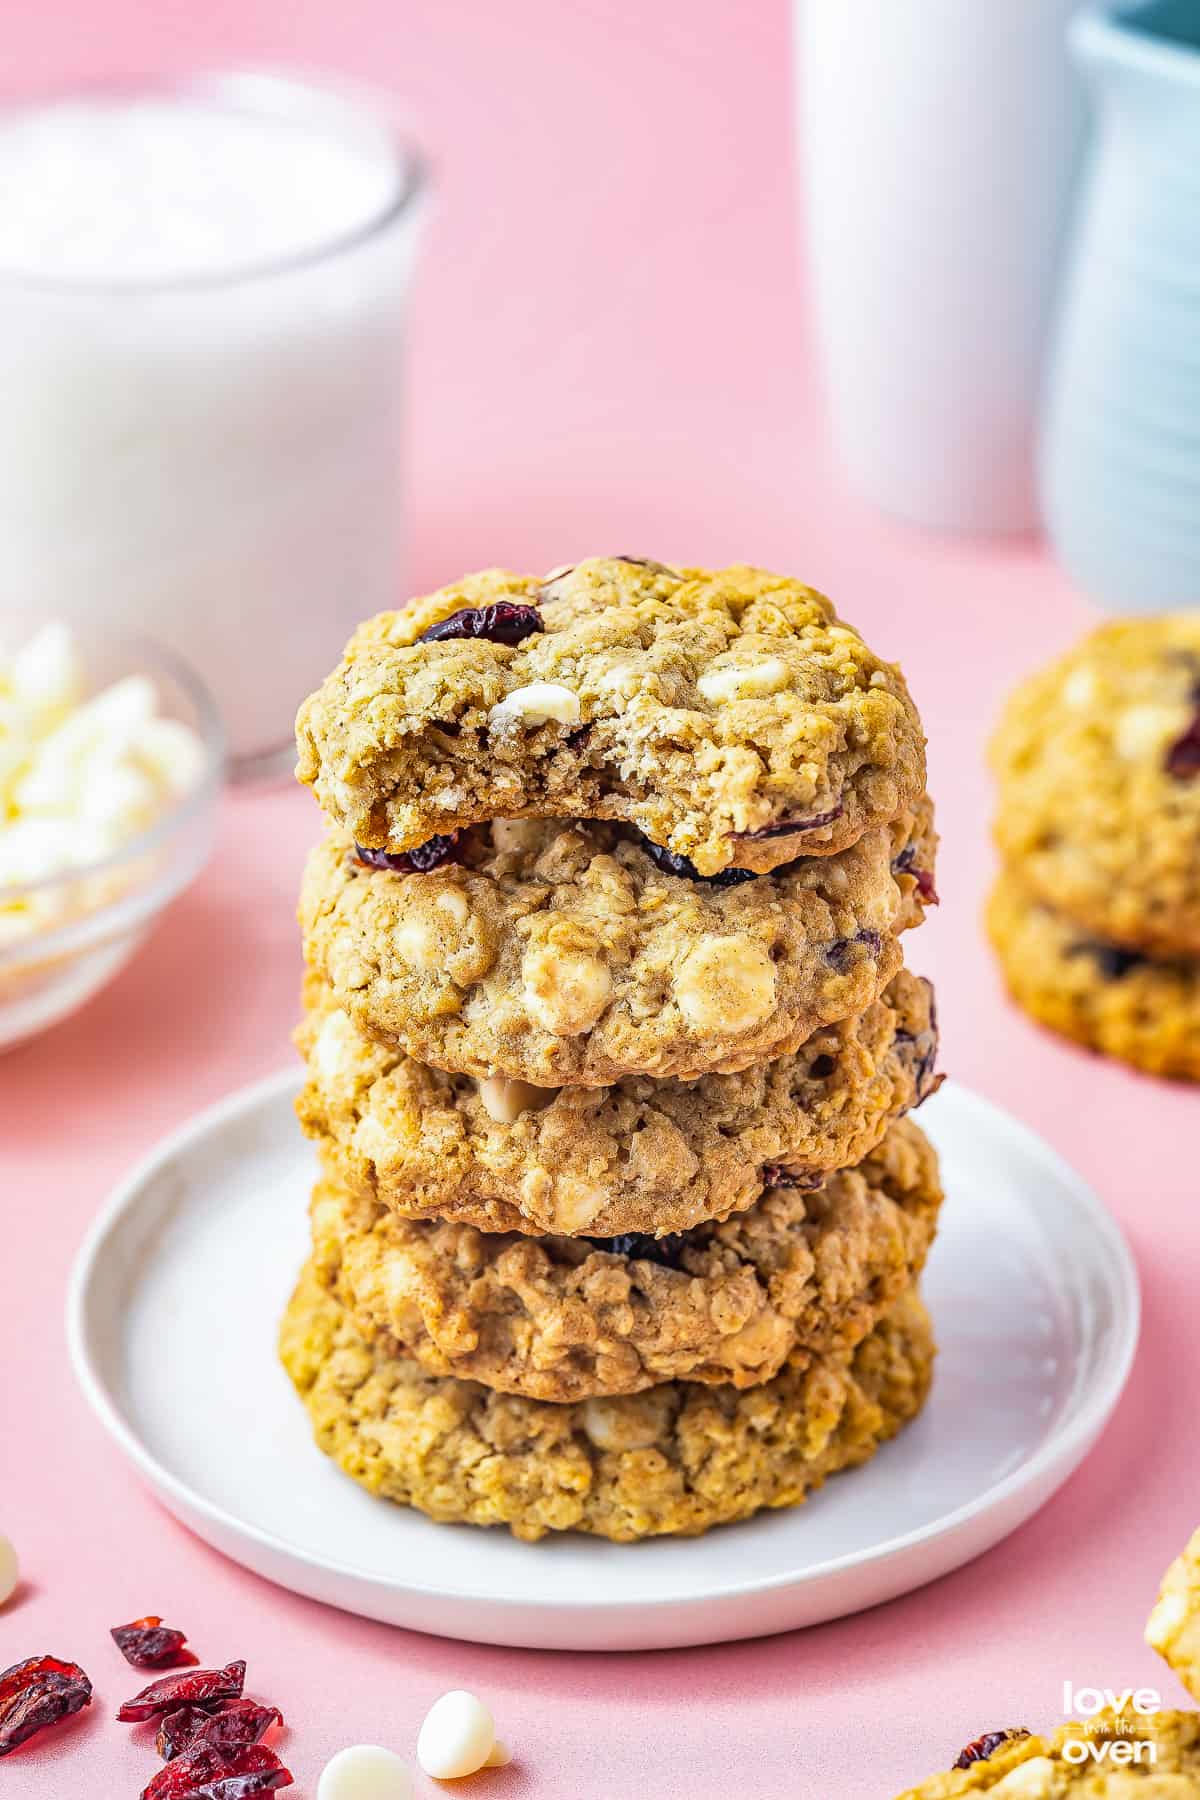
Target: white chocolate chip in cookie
{"x": 335, "y": 1048}
{"x": 419, "y": 943}
{"x": 1141, "y": 731}
{"x": 505, "y": 1100}
{"x": 565, "y": 990}
{"x": 445, "y": 939}
{"x": 1032, "y": 1780}
{"x": 725, "y": 984}
{"x": 740, "y": 681}
{"x": 541, "y": 703}
{"x": 611, "y": 1425}
{"x": 577, "y": 1203}
{"x": 1079, "y": 688}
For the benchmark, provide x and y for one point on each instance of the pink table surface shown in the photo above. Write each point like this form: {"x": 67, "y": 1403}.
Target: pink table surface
{"x": 608, "y": 354}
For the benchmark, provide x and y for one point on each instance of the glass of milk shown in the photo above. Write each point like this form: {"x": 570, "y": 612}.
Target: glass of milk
{"x": 202, "y": 300}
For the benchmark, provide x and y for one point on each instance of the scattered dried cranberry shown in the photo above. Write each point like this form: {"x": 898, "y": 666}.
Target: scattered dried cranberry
{"x": 981, "y": 1748}
{"x": 149, "y": 1644}
{"x": 904, "y": 864}
{"x": 207, "y": 1773}
{"x": 504, "y": 622}
{"x": 198, "y": 1687}
{"x": 236, "y": 1724}
{"x": 782, "y": 827}
{"x": 429, "y": 855}
{"x": 1112, "y": 960}
{"x": 670, "y": 864}
{"x": 646, "y": 1248}
{"x": 36, "y": 1693}
{"x": 1183, "y": 756}
{"x": 838, "y": 953}
{"x": 808, "y": 1180}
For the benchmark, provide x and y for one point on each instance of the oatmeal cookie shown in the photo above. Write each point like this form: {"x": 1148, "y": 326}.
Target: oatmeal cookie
{"x": 1127, "y": 1756}
{"x": 560, "y": 953}
{"x": 800, "y": 1274}
{"x": 1173, "y": 1628}
{"x": 1113, "y": 999}
{"x": 729, "y": 714}
{"x": 639, "y": 1155}
{"x": 677, "y": 1459}
{"x": 1098, "y": 760}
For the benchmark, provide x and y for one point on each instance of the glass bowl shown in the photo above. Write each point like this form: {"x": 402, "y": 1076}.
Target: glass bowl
{"x": 90, "y": 920}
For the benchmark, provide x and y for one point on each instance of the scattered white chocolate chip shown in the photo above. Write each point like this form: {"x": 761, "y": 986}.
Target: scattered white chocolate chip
{"x": 457, "y": 1738}
{"x": 505, "y": 1100}
{"x": 725, "y": 984}
{"x": 365, "y": 1772}
{"x": 10, "y": 1573}
{"x": 740, "y": 681}
{"x": 538, "y": 704}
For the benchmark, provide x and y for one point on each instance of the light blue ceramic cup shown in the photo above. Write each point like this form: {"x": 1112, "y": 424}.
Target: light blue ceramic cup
{"x": 1120, "y": 455}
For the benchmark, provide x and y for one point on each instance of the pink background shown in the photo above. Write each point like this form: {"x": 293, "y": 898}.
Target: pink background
{"x": 609, "y": 355}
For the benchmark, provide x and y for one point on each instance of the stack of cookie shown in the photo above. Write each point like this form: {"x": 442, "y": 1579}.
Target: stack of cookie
{"x": 609, "y": 1045}
{"x": 1096, "y": 915}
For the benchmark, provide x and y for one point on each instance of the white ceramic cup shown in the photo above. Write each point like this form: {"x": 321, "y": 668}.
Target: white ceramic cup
{"x": 939, "y": 139}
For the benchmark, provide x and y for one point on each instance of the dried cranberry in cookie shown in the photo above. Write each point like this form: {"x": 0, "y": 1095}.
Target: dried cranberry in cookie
{"x": 728, "y": 714}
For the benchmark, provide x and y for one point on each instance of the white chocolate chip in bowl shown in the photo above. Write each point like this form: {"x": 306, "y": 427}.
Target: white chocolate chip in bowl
{"x": 540, "y": 703}
{"x": 365, "y": 1772}
{"x": 10, "y": 1572}
{"x": 458, "y": 1737}
{"x": 742, "y": 681}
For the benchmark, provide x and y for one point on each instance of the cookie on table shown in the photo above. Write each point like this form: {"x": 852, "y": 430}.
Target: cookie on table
{"x": 1173, "y": 1628}
{"x": 676, "y": 1459}
{"x": 1144, "y": 1756}
{"x": 728, "y": 714}
{"x": 639, "y": 1155}
{"x": 798, "y": 1275}
{"x": 1100, "y": 994}
{"x": 1098, "y": 762}
{"x": 559, "y": 952}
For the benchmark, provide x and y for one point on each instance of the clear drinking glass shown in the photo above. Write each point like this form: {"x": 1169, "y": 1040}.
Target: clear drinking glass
{"x": 203, "y": 442}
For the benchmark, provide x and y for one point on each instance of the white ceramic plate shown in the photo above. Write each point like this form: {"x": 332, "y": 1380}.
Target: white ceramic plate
{"x": 172, "y": 1316}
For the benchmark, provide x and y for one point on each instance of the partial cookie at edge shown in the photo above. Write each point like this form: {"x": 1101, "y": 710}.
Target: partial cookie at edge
{"x": 1143, "y": 1012}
